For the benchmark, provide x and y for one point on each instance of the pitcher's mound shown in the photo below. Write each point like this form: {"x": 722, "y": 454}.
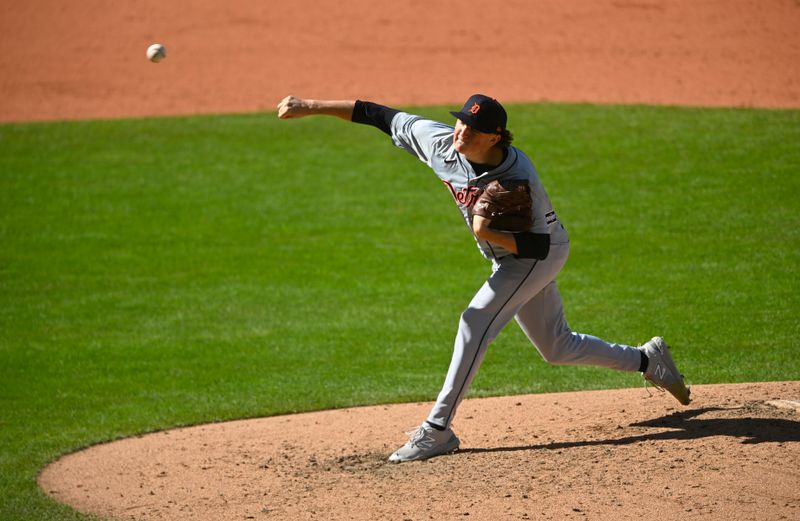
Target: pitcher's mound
{"x": 601, "y": 455}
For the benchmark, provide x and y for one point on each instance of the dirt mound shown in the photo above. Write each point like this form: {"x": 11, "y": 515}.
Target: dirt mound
{"x": 601, "y": 455}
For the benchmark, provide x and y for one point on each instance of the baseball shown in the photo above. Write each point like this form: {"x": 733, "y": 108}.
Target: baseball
{"x": 156, "y": 53}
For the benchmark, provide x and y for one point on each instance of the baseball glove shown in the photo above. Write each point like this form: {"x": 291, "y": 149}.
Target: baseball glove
{"x": 507, "y": 204}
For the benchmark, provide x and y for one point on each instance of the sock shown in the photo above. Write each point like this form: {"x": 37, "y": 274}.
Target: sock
{"x": 437, "y": 427}
{"x": 644, "y": 363}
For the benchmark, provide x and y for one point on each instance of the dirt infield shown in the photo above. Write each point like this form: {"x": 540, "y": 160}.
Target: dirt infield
{"x": 599, "y": 455}
{"x": 67, "y": 60}
{"x": 602, "y": 455}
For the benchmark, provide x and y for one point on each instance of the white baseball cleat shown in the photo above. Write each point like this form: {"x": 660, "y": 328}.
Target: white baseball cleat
{"x": 661, "y": 370}
{"x": 426, "y": 442}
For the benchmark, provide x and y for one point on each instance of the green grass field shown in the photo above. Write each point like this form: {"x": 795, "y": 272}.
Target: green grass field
{"x": 174, "y": 271}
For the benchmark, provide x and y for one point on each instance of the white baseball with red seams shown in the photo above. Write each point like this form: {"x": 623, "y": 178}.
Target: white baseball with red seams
{"x": 156, "y": 52}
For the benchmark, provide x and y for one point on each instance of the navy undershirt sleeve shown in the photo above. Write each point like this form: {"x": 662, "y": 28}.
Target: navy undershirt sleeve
{"x": 368, "y": 113}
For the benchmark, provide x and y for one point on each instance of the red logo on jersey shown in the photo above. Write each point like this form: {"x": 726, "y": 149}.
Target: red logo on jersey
{"x": 465, "y": 197}
{"x": 475, "y": 108}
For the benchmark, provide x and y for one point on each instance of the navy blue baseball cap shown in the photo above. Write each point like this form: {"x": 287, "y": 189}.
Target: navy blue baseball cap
{"x": 484, "y": 114}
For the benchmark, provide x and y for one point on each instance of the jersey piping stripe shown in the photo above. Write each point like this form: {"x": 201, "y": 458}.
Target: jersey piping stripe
{"x": 483, "y": 337}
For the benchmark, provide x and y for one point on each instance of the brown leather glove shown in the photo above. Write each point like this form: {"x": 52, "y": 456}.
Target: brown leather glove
{"x": 507, "y": 204}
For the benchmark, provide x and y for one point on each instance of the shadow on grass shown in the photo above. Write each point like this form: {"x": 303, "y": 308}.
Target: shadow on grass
{"x": 685, "y": 426}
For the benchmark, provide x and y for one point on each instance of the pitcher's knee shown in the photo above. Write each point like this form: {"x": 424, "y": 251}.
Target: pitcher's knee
{"x": 475, "y": 316}
{"x": 563, "y": 349}
{"x": 478, "y": 323}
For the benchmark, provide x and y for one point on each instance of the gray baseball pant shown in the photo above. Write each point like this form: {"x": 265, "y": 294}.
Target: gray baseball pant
{"x": 525, "y": 289}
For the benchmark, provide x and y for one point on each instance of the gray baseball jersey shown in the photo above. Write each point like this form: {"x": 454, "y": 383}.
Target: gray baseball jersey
{"x": 432, "y": 143}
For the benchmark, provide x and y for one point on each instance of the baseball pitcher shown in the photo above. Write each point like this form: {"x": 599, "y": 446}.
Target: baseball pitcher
{"x": 505, "y": 206}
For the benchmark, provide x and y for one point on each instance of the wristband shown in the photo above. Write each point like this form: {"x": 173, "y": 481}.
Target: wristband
{"x": 532, "y": 245}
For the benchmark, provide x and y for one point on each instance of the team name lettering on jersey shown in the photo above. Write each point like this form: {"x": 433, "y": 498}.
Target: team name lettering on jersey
{"x": 465, "y": 197}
